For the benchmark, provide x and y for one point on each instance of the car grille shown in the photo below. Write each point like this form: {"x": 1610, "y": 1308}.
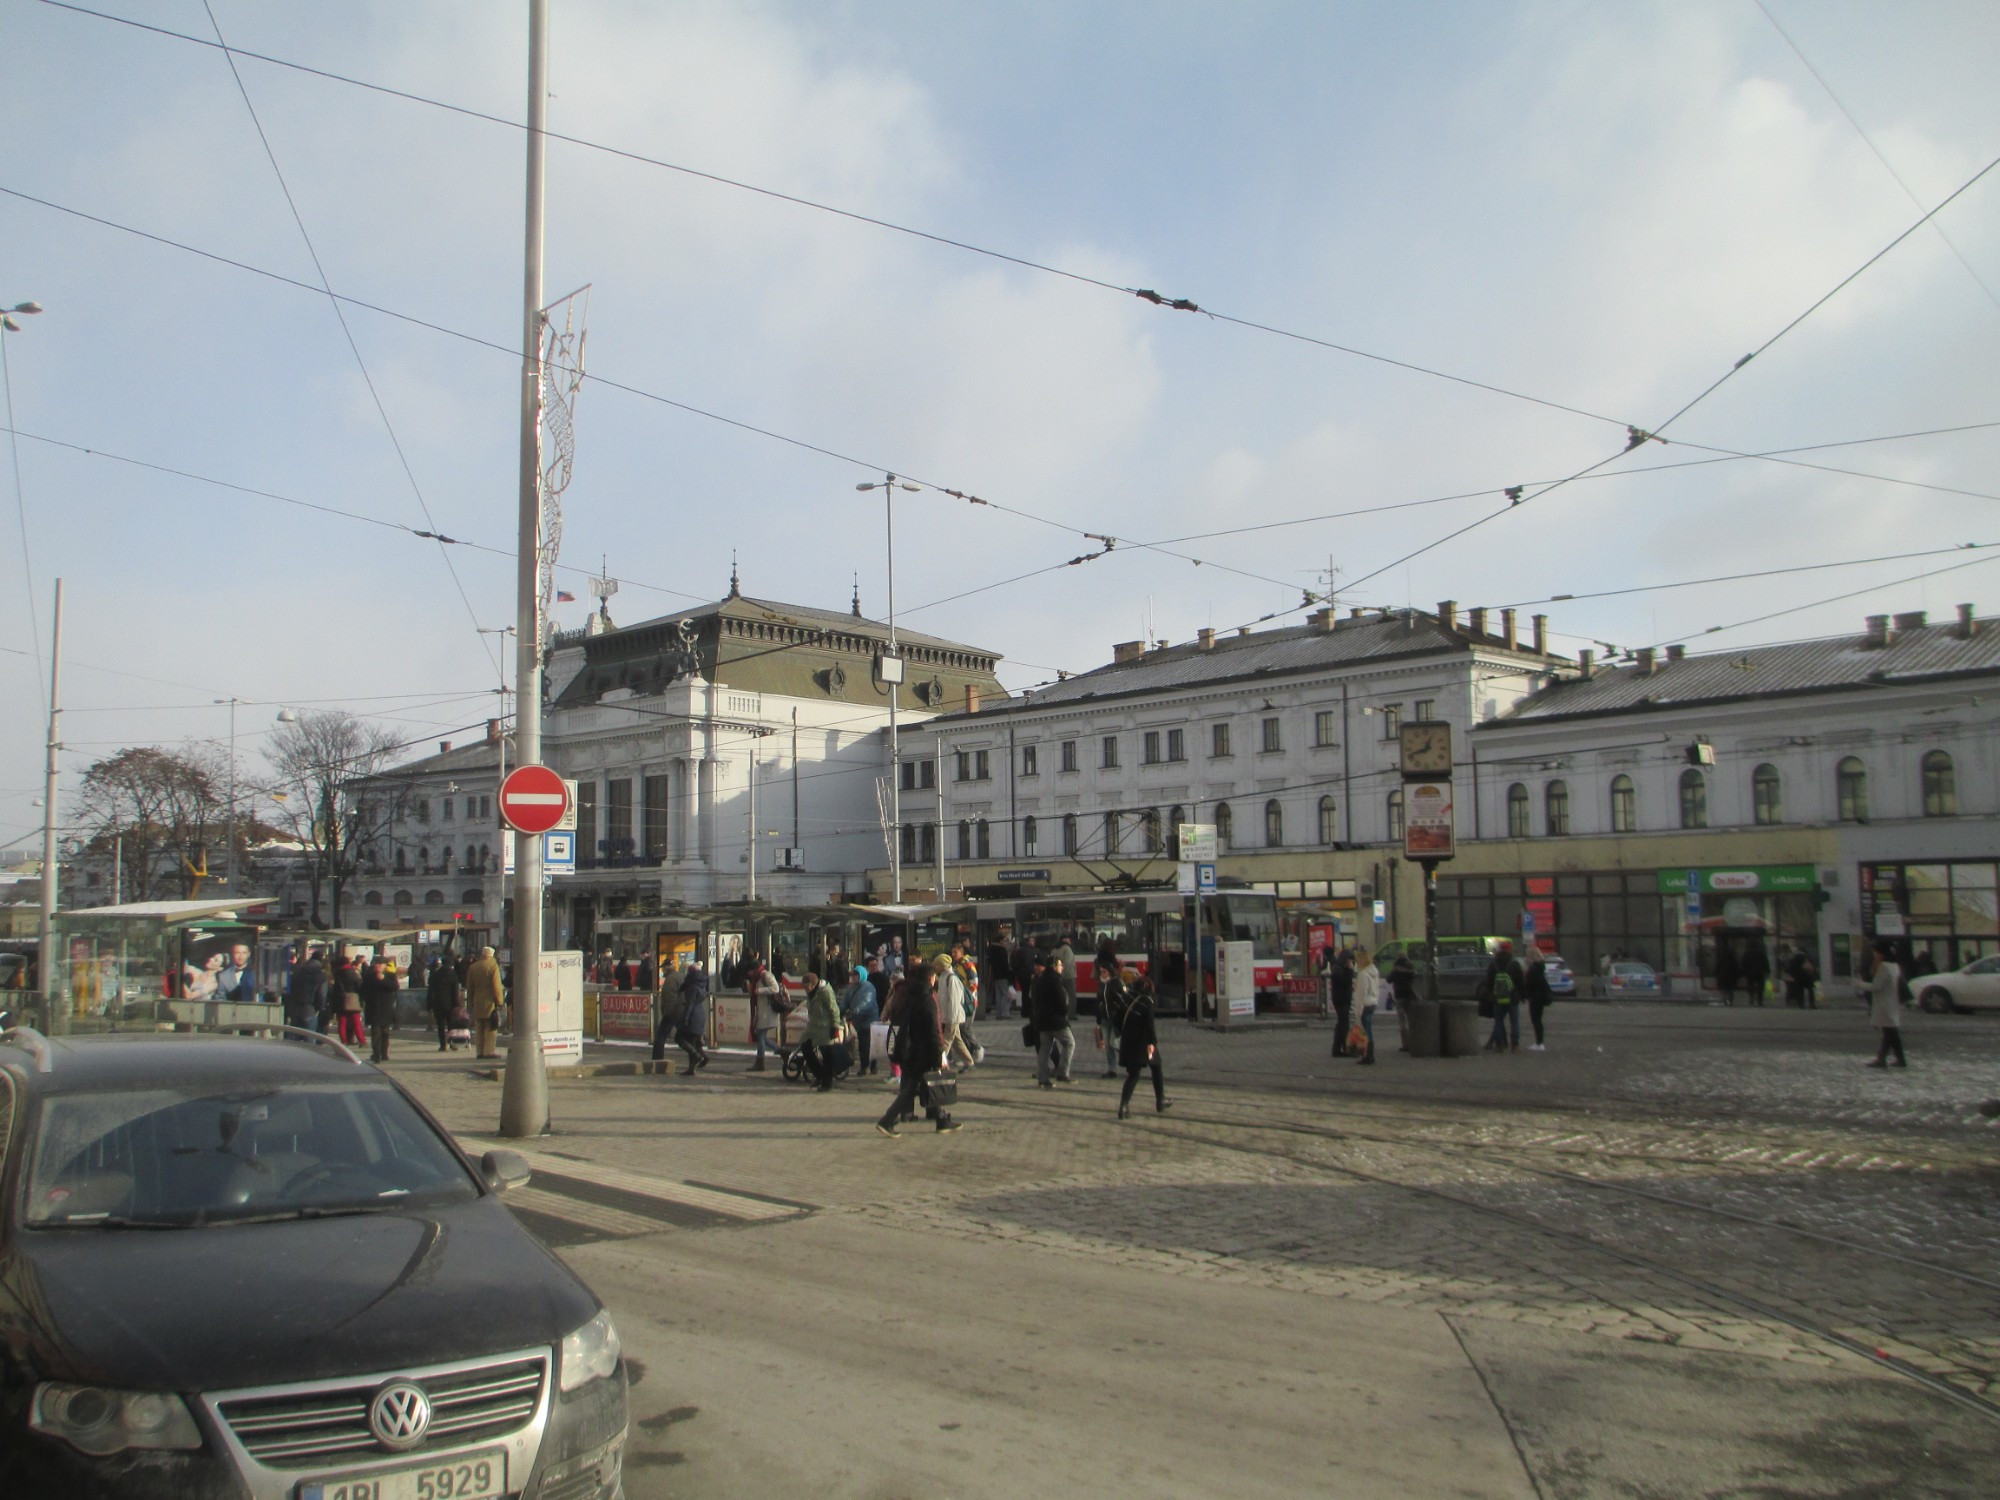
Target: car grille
{"x": 303, "y": 1428}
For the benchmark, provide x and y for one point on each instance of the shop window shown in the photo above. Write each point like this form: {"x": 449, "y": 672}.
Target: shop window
{"x": 1850, "y": 788}
{"x": 1555, "y": 808}
{"x": 1396, "y": 816}
{"x": 1767, "y": 795}
{"x": 1624, "y": 804}
{"x": 1517, "y": 811}
{"x": 1694, "y": 800}
{"x": 1329, "y": 821}
{"x": 1069, "y": 833}
{"x": 1940, "y": 786}
{"x": 1029, "y": 835}
{"x": 1225, "y": 826}
{"x": 1274, "y": 824}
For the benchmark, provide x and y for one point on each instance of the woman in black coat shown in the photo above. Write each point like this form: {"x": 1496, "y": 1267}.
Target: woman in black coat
{"x": 1139, "y": 1047}
{"x": 918, "y": 1049}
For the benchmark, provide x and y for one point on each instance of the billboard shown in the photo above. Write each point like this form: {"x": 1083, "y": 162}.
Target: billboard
{"x": 217, "y": 963}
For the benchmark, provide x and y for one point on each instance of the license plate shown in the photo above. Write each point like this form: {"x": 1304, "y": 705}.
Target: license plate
{"x": 476, "y": 1476}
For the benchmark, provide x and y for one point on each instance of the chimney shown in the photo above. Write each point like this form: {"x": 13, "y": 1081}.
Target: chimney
{"x": 1507, "y": 629}
{"x": 971, "y": 699}
{"x": 1914, "y": 620}
{"x": 1242, "y": 629}
{"x": 1586, "y": 664}
{"x": 1677, "y": 653}
{"x": 1541, "y": 624}
{"x": 1646, "y": 660}
{"x": 1879, "y": 634}
{"x": 1320, "y": 619}
{"x": 492, "y": 731}
{"x": 1355, "y": 611}
{"x": 1205, "y": 637}
{"x": 1968, "y": 627}
{"x": 1475, "y": 619}
{"x": 1128, "y": 651}
{"x": 444, "y": 747}
{"x": 1448, "y": 613}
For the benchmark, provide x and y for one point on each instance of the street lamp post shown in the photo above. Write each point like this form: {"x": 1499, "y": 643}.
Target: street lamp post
{"x": 46, "y": 949}
{"x": 892, "y": 678}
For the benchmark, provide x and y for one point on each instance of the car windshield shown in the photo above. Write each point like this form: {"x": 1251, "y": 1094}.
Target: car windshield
{"x": 179, "y": 1158}
{"x": 1636, "y": 971}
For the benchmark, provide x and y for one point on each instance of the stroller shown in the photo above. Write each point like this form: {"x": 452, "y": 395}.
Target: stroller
{"x": 458, "y": 1027}
{"x": 839, "y": 1054}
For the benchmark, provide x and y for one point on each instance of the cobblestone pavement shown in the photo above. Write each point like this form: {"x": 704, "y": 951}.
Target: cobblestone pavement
{"x": 1734, "y": 1188}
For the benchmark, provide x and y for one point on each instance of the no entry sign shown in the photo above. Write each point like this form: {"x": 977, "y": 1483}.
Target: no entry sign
{"x": 533, "y": 799}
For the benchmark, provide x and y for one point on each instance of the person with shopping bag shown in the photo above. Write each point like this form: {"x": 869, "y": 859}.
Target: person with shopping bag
{"x": 1367, "y": 997}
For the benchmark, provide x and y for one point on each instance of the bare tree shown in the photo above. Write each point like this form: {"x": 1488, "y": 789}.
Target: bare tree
{"x": 316, "y": 761}
{"x": 168, "y": 808}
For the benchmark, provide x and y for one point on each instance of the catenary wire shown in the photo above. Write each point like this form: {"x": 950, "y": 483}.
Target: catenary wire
{"x": 1832, "y": 599}
{"x": 21, "y": 513}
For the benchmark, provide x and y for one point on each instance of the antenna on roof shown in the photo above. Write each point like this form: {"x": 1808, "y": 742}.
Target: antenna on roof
{"x": 602, "y": 588}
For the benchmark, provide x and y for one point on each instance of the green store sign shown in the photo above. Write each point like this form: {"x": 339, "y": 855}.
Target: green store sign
{"x": 1739, "y": 880}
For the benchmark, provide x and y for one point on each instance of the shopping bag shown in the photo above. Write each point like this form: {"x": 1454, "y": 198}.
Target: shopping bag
{"x": 1357, "y": 1039}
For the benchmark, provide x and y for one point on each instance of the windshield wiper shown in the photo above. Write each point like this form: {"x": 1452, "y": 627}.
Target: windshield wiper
{"x": 308, "y": 1211}
{"x": 113, "y": 1221}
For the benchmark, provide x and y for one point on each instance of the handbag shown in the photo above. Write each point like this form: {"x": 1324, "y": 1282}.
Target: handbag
{"x": 1100, "y": 1038}
{"x": 940, "y": 1090}
{"x": 1029, "y": 1036}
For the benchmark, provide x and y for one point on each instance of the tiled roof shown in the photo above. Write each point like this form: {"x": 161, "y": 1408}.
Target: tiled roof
{"x": 1833, "y": 664}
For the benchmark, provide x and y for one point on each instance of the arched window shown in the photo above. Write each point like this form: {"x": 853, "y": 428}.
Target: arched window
{"x": 402, "y": 859}
{"x": 471, "y": 857}
{"x": 373, "y": 898}
{"x": 485, "y": 856}
{"x": 1694, "y": 799}
{"x": 1396, "y": 816}
{"x": 424, "y": 856}
{"x": 1767, "y": 795}
{"x": 1555, "y": 808}
{"x": 444, "y": 859}
{"x": 1624, "y": 805}
{"x": 964, "y": 839}
{"x": 1850, "y": 788}
{"x": 434, "y": 898}
{"x": 1152, "y": 826}
{"x": 982, "y": 839}
{"x": 1028, "y": 834}
{"x": 1274, "y": 824}
{"x": 1069, "y": 833}
{"x": 1175, "y": 818}
{"x": 403, "y": 898}
{"x": 1329, "y": 821}
{"x": 1940, "y": 786}
{"x": 472, "y": 897}
{"x": 1111, "y": 832}
{"x": 1517, "y": 811}
{"x": 1225, "y": 826}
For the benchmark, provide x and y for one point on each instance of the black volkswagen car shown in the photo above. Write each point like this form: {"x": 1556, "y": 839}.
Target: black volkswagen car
{"x": 256, "y": 1267}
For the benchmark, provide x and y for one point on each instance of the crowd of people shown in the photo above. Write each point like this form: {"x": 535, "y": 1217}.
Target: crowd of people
{"x": 354, "y": 998}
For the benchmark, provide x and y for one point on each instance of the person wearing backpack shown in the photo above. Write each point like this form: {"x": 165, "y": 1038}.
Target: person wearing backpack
{"x": 1503, "y": 987}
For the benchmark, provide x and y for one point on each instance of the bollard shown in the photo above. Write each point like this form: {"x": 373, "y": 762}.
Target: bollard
{"x": 1420, "y": 1028}
{"x": 1459, "y": 1028}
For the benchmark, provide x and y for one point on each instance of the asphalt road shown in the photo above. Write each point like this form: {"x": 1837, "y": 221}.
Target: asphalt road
{"x": 1716, "y": 1257}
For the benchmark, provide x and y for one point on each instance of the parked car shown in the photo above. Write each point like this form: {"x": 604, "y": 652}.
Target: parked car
{"x": 1562, "y": 979}
{"x": 233, "y": 1266}
{"x": 1974, "y": 987}
{"x": 1632, "y": 979}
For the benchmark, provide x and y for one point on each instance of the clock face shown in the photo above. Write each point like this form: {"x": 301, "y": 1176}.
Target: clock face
{"x": 1427, "y": 748}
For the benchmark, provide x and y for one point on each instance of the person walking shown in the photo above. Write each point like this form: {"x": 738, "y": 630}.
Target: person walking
{"x": 305, "y": 992}
{"x": 1502, "y": 986}
{"x": 1802, "y": 975}
{"x": 767, "y": 1011}
{"x": 1139, "y": 1048}
{"x": 1403, "y": 980}
{"x": 822, "y": 1027}
{"x": 1727, "y": 974}
{"x": 917, "y": 1050}
{"x": 1110, "y": 1005}
{"x": 348, "y": 1005}
{"x": 1048, "y": 1008}
{"x": 442, "y": 994}
{"x": 1885, "y": 983}
{"x": 1021, "y": 971}
{"x": 951, "y": 1011}
{"x": 691, "y": 1030}
{"x": 1368, "y": 996}
{"x": 484, "y": 995}
{"x": 1756, "y": 970}
{"x": 862, "y": 1008}
{"x": 378, "y": 1005}
{"x": 1341, "y": 977}
{"x": 1536, "y": 989}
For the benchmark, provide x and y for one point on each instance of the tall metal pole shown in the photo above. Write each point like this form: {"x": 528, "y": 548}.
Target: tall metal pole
{"x": 751, "y": 853}
{"x": 524, "y": 1100}
{"x": 229, "y": 859}
{"x": 937, "y": 775}
{"x": 47, "y": 948}
{"x": 895, "y": 694}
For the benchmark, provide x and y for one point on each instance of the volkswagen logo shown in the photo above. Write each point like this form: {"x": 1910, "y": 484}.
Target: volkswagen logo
{"x": 400, "y": 1415}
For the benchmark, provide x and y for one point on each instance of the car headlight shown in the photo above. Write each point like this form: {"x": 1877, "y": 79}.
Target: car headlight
{"x": 101, "y": 1421}
{"x": 591, "y": 1353}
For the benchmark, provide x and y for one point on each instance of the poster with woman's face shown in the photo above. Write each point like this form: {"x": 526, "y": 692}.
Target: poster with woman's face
{"x": 219, "y": 963}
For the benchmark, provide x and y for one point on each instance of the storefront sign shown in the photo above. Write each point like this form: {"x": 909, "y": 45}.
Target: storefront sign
{"x": 1738, "y": 880}
{"x": 1197, "y": 841}
{"x": 1427, "y": 825}
{"x": 1021, "y": 877}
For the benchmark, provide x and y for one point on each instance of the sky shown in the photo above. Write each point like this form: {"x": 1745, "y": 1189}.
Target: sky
{"x": 1479, "y": 241}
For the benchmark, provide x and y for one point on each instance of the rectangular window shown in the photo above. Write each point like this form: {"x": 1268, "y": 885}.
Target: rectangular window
{"x": 1109, "y": 761}
{"x": 1111, "y": 833}
{"x": 919, "y": 775}
{"x": 1325, "y": 728}
{"x": 1176, "y": 745}
{"x": 1273, "y": 736}
{"x": 1427, "y": 709}
{"x": 1028, "y": 761}
{"x": 618, "y": 815}
{"x": 586, "y": 821}
{"x": 1392, "y": 721}
{"x": 1150, "y": 751}
{"x": 485, "y": 807}
{"x": 1218, "y": 741}
{"x": 1069, "y": 755}
{"x": 982, "y": 833}
{"x": 656, "y": 817}
{"x": 982, "y": 768}
{"x": 447, "y": 809}
{"x": 965, "y": 841}
{"x": 962, "y": 767}
{"x": 423, "y": 810}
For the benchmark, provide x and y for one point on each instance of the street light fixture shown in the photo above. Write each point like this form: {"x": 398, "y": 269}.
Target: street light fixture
{"x": 892, "y": 678}
{"x": 29, "y": 309}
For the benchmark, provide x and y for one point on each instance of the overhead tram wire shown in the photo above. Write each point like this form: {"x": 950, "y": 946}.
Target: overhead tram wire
{"x": 1831, "y": 599}
{"x": 21, "y": 513}
{"x": 340, "y": 314}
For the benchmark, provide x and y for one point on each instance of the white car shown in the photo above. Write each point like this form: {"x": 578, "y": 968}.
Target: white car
{"x": 1974, "y": 987}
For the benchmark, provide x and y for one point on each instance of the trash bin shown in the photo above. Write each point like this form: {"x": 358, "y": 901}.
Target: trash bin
{"x": 1458, "y": 1031}
{"x": 1420, "y": 1028}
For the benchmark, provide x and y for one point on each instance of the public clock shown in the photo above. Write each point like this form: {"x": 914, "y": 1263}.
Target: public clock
{"x": 1427, "y": 748}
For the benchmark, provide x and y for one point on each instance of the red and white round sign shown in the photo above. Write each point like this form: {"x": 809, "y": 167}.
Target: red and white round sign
{"x": 533, "y": 799}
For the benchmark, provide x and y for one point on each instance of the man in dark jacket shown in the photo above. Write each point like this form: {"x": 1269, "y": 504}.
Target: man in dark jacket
{"x": 918, "y": 1050}
{"x": 443, "y": 996}
{"x": 1504, "y": 986}
{"x": 305, "y": 993}
{"x": 1341, "y": 976}
{"x": 378, "y": 1007}
{"x": 1048, "y": 1007}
